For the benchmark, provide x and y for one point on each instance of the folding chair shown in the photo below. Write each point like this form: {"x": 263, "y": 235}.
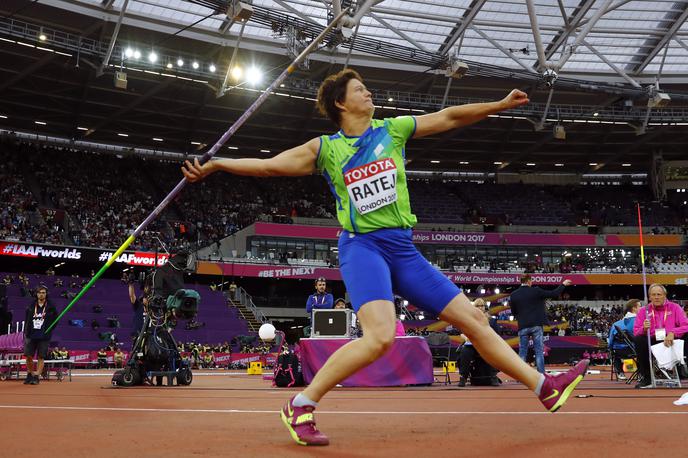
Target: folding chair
{"x": 436, "y": 342}
{"x": 667, "y": 378}
{"x": 623, "y": 336}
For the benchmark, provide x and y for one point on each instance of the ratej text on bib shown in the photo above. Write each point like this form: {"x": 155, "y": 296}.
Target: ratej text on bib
{"x": 373, "y": 185}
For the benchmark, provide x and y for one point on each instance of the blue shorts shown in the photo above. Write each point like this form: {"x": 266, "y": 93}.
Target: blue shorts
{"x": 378, "y": 264}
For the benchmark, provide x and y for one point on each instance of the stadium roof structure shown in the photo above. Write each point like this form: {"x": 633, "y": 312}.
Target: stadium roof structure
{"x": 590, "y": 66}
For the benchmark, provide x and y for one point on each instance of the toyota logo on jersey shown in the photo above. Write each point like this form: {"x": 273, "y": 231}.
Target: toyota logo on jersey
{"x": 373, "y": 185}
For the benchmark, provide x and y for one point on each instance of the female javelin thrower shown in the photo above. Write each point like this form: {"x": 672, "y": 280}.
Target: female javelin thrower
{"x": 363, "y": 164}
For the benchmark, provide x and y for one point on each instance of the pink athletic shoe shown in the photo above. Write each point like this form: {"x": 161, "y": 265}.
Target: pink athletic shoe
{"x": 557, "y": 388}
{"x": 301, "y": 424}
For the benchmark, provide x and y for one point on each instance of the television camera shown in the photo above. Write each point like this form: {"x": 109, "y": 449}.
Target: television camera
{"x": 154, "y": 355}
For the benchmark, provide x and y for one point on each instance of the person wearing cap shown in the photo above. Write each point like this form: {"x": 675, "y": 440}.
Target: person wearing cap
{"x": 321, "y": 299}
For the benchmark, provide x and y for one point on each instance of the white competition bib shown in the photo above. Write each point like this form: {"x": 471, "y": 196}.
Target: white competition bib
{"x": 373, "y": 185}
{"x": 37, "y": 323}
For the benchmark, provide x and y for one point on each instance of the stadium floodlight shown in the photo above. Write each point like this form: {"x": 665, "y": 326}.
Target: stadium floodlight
{"x": 180, "y": 63}
{"x": 237, "y": 73}
{"x": 169, "y": 65}
{"x": 153, "y": 57}
{"x": 549, "y": 77}
{"x": 239, "y": 11}
{"x": 456, "y": 68}
{"x": 212, "y": 68}
{"x": 137, "y": 54}
{"x": 195, "y": 65}
{"x": 559, "y": 132}
{"x": 128, "y": 53}
{"x": 254, "y": 75}
{"x": 496, "y": 291}
{"x": 658, "y": 100}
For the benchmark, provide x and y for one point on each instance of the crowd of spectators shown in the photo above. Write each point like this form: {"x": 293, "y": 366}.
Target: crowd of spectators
{"x": 585, "y": 320}
{"x": 19, "y": 215}
{"x": 101, "y": 198}
{"x": 105, "y": 196}
{"x": 592, "y": 261}
{"x": 574, "y": 319}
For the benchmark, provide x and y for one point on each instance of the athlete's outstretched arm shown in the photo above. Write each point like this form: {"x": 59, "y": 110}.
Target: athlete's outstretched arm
{"x": 293, "y": 162}
{"x": 464, "y": 115}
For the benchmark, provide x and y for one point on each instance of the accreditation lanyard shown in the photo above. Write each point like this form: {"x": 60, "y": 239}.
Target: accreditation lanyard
{"x": 315, "y": 296}
{"x": 35, "y": 311}
{"x": 663, "y": 319}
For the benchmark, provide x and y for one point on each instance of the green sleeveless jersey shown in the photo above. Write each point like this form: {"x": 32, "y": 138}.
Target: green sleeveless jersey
{"x": 367, "y": 176}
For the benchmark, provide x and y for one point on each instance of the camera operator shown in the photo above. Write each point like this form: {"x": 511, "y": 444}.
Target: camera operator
{"x": 138, "y": 303}
{"x": 39, "y": 315}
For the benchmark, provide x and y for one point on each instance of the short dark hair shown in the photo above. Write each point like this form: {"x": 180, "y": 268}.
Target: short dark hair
{"x": 332, "y": 90}
{"x": 42, "y": 288}
{"x": 631, "y": 304}
{"x": 525, "y": 278}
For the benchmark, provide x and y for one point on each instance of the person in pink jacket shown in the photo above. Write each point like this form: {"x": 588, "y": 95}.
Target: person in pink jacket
{"x": 666, "y": 321}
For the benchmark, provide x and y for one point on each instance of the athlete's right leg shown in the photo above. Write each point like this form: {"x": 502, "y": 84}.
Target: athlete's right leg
{"x": 378, "y": 320}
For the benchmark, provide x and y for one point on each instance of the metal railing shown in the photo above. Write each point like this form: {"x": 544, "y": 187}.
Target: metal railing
{"x": 247, "y": 301}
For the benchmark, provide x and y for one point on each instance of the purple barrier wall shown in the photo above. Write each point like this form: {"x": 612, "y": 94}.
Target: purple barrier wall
{"x": 221, "y": 322}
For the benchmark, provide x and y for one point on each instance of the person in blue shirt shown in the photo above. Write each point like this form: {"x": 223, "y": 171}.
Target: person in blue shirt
{"x": 616, "y": 342}
{"x": 321, "y": 299}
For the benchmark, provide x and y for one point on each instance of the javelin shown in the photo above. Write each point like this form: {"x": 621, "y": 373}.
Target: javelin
{"x": 647, "y": 306}
{"x": 205, "y": 158}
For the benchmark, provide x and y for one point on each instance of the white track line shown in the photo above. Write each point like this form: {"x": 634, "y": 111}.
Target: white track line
{"x": 195, "y": 374}
{"x": 133, "y": 409}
